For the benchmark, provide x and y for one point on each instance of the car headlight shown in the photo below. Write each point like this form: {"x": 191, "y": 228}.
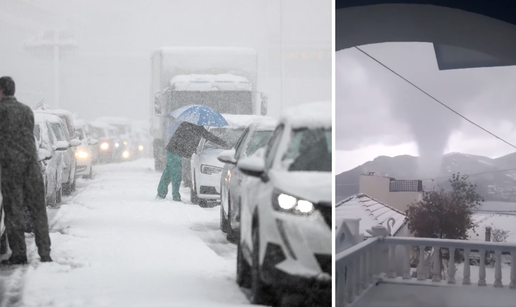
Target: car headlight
{"x": 117, "y": 145}
{"x": 288, "y": 203}
{"x": 140, "y": 147}
{"x": 82, "y": 154}
{"x": 208, "y": 169}
{"x": 104, "y": 146}
{"x": 125, "y": 142}
{"x": 125, "y": 154}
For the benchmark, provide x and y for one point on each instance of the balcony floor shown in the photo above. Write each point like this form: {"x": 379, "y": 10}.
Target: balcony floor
{"x": 427, "y": 295}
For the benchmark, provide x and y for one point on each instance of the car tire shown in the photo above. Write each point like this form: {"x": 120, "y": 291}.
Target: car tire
{"x": 243, "y": 270}
{"x": 59, "y": 192}
{"x": 231, "y": 235}
{"x": 52, "y": 199}
{"x": 90, "y": 175}
{"x": 260, "y": 292}
{"x": 203, "y": 203}
{"x": 223, "y": 220}
{"x": 193, "y": 197}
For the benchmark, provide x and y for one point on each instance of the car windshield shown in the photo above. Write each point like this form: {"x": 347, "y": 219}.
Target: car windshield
{"x": 37, "y": 132}
{"x": 258, "y": 140}
{"x": 231, "y": 137}
{"x": 309, "y": 150}
{"x": 97, "y": 133}
{"x": 57, "y": 131}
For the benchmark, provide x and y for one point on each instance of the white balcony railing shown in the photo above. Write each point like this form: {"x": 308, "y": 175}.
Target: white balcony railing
{"x": 374, "y": 260}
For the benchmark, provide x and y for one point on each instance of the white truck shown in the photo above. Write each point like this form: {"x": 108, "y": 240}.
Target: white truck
{"x": 224, "y": 79}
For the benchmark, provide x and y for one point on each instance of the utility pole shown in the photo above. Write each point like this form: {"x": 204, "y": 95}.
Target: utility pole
{"x": 58, "y": 43}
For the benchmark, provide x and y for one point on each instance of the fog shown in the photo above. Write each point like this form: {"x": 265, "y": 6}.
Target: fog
{"x": 108, "y": 73}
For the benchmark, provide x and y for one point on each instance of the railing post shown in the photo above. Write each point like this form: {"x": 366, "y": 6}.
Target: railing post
{"x": 421, "y": 264}
{"x": 467, "y": 273}
{"x": 498, "y": 269}
{"x": 392, "y": 261}
{"x": 365, "y": 271}
{"x": 451, "y": 265}
{"x": 406, "y": 263}
{"x": 358, "y": 277}
{"x": 436, "y": 274}
{"x": 482, "y": 268}
{"x": 349, "y": 282}
{"x": 370, "y": 266}
{"x": 340, "y": 284}
{"x": 512, "y": 285}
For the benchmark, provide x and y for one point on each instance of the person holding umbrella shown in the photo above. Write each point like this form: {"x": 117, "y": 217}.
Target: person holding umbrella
{"x": 183, "y": 142}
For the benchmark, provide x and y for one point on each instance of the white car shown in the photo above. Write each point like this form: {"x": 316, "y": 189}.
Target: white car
{"x": 254, "y": 137}
{"x": 206, "y": 168}
{"x": 285, "y": 243}
{"x": 51, "y": 154}
{"x": 84, "y": 152}
{"x": 60, "y": 130}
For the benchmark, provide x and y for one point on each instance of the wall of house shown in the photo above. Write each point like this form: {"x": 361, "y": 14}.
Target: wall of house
{"x": 378, "y": 188}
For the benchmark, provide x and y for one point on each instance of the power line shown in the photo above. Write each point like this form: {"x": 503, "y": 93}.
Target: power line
{"x": 435, "y": 99}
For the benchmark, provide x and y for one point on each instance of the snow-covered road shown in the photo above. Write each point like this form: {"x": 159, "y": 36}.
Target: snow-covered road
{"x": 114, "y": 245}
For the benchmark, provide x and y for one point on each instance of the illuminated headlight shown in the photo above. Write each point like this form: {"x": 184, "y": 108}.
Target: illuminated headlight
{"x": 82, "y": 154}
{"x": 288, "y": 203}
{"x": 104, "y": 146}
{"x": 125, "y": 142}
{"x": 208, "y": 169}
{"x": 125, "y": 154}
{"x": 117, "y": 145}
{"x": 140, "y": 147}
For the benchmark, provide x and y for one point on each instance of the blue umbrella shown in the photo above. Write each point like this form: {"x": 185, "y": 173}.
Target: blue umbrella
{"x": 200, "y": 115}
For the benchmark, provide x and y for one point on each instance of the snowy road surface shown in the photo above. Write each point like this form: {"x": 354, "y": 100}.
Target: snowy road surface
{"x": 114, "y": 245}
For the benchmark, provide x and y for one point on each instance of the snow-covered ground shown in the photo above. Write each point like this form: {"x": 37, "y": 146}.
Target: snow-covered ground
{"x": 114, "y": 245}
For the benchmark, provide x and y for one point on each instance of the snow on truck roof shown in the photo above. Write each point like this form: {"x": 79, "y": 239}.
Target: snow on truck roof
{"x": 309, "y": 115}
{"x": 237, "y": 120}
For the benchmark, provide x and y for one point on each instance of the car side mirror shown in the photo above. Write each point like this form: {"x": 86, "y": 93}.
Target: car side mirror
{"x": 227, "y": 156}
{"x": 75, "y": 143}
{"x": 93, "y": 141}
{"x": 252, "y": 166}
{"x": 44, "y": 155}
{"x": 61, "y": 145}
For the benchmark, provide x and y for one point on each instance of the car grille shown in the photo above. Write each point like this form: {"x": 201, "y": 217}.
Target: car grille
{"x": 207, "y": 190}
{"x": 326, "y": 211}
{"x": 324, "y": 262}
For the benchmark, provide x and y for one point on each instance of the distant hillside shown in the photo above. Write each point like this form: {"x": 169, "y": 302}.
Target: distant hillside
{"x": 495, "y": 185}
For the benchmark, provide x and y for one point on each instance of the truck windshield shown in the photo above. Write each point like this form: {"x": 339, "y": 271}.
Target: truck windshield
{"x": 231, "y": 136}
{"x": 231, "y": 102}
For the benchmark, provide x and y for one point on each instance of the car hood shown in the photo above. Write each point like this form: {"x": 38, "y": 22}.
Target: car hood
{"x": 209, "y": 157}
{"x": 312, "y": 186}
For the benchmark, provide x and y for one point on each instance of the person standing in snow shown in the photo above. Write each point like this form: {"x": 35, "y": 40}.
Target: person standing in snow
{"x": 22, "y": 181}
{"x": 182, "y": 144}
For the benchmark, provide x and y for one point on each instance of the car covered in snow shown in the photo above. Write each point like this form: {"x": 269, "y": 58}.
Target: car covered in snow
{"x": 254, "y": 137}
{"x": 285, "y": 243}
{"x": 84, "y": 152}
{"x": 64, "y": 140}
{"x": 51, "y": 155}
{"x": 205, "y": 168}
{"x": 125, "y": 147}
{"x": 105, "y": 134}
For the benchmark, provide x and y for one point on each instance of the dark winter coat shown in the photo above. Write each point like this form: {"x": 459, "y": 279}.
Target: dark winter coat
{"x": 16, "y": 131}
{"x": 187, "y": 137}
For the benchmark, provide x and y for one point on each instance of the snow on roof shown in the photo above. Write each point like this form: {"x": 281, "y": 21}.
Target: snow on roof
{"x": 310, "y": 115}
{"x": 371, "y": 213}
{"x": 114, "y": 120}
{"x": 238, "y": 120}
{"x": 205, "y": 82}
{"x": 495, "y": 221}
{"x": 99, "y": 124}
{"x": 41, "y": 117}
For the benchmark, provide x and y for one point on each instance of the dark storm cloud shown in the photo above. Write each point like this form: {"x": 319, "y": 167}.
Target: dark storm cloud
{"x": 365, "y": 90}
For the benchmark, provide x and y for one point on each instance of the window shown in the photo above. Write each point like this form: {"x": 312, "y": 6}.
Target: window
{"x": 56, "y": 128}
{"x": 231, "y": 136}
{"x": 272, "y": 146}
{"x": 97, "y": 133}
{"x": 240, "y": 144}
{"x": 258, "y": 139}
{"x": 309, "y": 150}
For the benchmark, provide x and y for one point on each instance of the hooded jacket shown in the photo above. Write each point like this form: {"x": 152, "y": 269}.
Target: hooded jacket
{"x": 187, "y": 136}
{"x": 16, "y": 131}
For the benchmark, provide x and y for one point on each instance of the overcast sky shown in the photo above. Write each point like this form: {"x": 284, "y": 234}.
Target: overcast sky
{"x": 109, "y": 74}
{"x": 377, "y": 113}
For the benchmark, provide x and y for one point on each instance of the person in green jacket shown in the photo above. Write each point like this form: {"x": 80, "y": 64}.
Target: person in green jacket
{"x": 182, "y": 144}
